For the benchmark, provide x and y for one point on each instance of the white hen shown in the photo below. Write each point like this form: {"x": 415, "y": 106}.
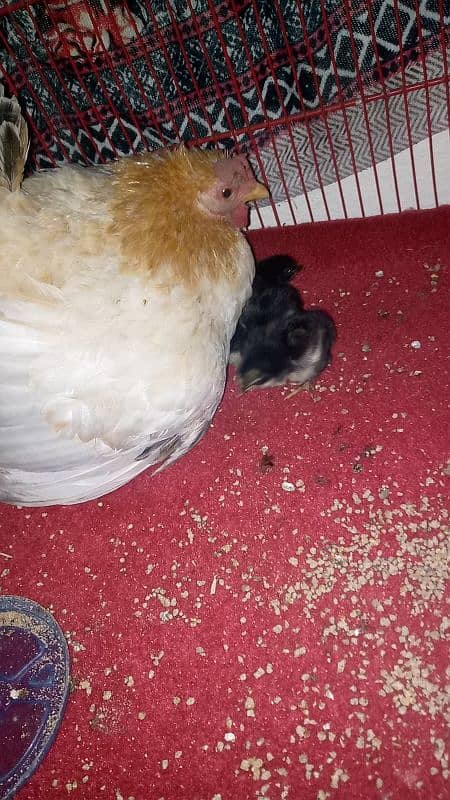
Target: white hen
{"x": 120, "y": 289}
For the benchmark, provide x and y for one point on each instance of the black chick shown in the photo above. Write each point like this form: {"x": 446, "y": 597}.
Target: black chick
{"x": 275, "y": 271}
{"x": 277, "y": 341}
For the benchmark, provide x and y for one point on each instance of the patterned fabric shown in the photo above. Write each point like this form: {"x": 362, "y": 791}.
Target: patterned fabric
{"x": 290, "y": 153}
{"x": 105, "y": 78}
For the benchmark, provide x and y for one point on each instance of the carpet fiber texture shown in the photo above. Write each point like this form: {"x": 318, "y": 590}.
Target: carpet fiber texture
{"x": 266, "y": 618}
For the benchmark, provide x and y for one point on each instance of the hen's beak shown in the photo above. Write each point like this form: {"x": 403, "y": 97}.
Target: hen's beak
{"x": 257, "y": 192}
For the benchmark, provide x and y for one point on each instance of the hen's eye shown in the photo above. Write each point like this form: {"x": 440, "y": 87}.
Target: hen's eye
{"x": 226, "y": 193}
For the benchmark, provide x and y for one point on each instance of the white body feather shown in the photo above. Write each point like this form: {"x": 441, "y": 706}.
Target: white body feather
{"x": 97, "y": 365}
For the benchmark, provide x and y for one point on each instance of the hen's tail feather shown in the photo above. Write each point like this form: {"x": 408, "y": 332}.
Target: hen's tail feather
{"x": 14, "y": 143}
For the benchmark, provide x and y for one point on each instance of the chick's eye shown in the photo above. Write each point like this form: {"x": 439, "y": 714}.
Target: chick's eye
{"x": 226, "y": 193}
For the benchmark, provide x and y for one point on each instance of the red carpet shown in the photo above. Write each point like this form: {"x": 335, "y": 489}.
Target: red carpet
{"x": 242, "y": 627}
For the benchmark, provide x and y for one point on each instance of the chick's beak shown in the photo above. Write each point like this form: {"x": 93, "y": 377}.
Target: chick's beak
{"x": 257, "y": 191}
{"x": 248, "y": 380}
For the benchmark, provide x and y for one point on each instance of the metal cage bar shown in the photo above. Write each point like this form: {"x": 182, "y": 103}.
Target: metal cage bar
{"x": 344, "y": 110}
{"x": 362, "y": 93}
{"x": 444, "y": 57}
{"x": 405, "y": 98}
{"x": 427, "y": 98}
{"x": 322, "y": 106}
{"x": 307, "y": 125}
{"x": 385, "y": 96}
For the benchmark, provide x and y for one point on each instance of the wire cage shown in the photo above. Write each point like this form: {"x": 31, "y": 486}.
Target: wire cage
{"x": 343, "y": 106}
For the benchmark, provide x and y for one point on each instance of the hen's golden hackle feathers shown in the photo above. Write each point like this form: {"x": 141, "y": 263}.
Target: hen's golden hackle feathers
{"x": 14, "y": 143}
{"x": 151, "y": 190}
